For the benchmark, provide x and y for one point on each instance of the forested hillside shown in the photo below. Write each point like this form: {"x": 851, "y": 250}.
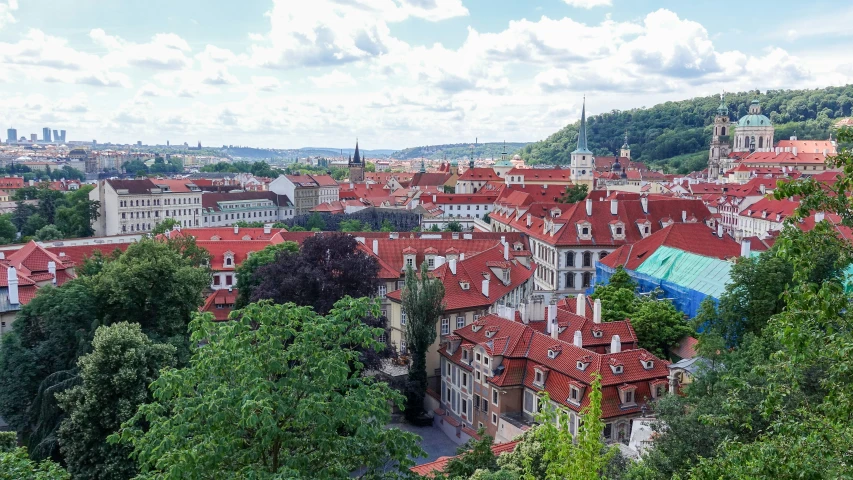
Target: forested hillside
{"x": 676, "y": 135}
{"x": 459, "y": 151}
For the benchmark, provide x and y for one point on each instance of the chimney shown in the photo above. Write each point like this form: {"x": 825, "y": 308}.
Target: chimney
{"x": 555, "y": 330}
{"x": 596, "y": 311}
{"x": 506, "y": 251}
{"x": 267, "y": 228}
{"x": 720, "y": 230}
{"x": 615, "y": 344}
{"x": 578, "y": 340}
{"x": 433, "y": 198}
{"x": 3, "y": 255}
{"x": 588, "y": 207}
{"x": 794, "y": 151}
{"x": 351, "y": 186}
{"x": 793, "y": 138}
{"x": 818, "y": 217}
{"x": 614, "y": 207}
{"x": 644, "y": 201}
{"x": 376, "y": 247}
{"x": 12, "y": 276}
{"x": 529, "y": 220}
{"x": 236, "y": 229}
{"x": 452, "y": 267}
{"x": 462, "y": 256}
{"x": 683, "y": 216}
{"x": 762, "y": 189}
{"x": 581, "y": 305}
{"x": 51, "y": 269}
{"x": 439, "y": 260}
{"x": 745, "y": 247}
{"x": 525, "y": 315}
{"x": 485, "y": 287}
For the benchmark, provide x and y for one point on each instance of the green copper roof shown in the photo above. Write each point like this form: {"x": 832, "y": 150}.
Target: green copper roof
{"x": 582, "y": 148}
{"x": 503, "y": 163}
{"x": 754, "y": 121}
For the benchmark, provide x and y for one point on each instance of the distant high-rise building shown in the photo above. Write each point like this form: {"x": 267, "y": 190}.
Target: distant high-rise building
{"x": 45, "y": 132}
{"x": 199, "y": 145}
{"x": 12, "y": 135}
{"x": 139, "y": 143}
{"x": 62, "y": 135}
{"x": 59, "y": 136}
{"x": 34, "y": 137}
{"x": 167, "y": 143}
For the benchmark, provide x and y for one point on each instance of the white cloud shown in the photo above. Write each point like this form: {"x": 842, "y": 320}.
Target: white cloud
{"x": 333, "y": 79}
{"x": 266, "y": 83}
{"x": 588, "y": 3}
{"x": 6, "y": 9}
{"x": 165, "y": 51}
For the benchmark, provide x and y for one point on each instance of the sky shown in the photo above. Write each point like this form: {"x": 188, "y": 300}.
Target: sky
{"x": 392, "y": 73}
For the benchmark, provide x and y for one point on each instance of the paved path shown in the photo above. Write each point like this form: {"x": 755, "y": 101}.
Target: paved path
{"x": 435, "y": 442}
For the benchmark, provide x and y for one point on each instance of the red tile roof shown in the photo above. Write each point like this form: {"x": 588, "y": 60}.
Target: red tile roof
{"x": 472, "y": 271}
{"x": 690, "y": 237}
{"x": 541, "y": 174}
{"x": 220, "y": 303}
{"x": 479, "y": 174}
{"x": 429, "y": 469}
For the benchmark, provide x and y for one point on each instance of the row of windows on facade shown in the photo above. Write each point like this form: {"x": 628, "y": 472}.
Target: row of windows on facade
{"x": 247, "y": 205}
{"x": 459, "y": 207}
{"x": 227, "y": 280}
{"x": 157, "y": 213}
{"x": 235, "y": 216}
{"x": 146, "y": 227}
{"x": 167, "y": 201}
{"x": 455, "y": 384}
{"x": 445, "y": 322}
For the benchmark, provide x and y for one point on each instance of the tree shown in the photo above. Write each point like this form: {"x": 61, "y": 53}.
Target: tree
{"x": 618, "y": 297}
{"x": 166, "y": 225}
{"x": 353, "y": 225}
{"x": 8, "y": 232}
{"x": 23, "y": 212}
{"x": 659, "y": 325}
{"x": 369, "y": 167}
{"x": 327, "y": 268}
{"x": 246, "y": 279}
{"x": 315, "y": 221}
{"x": 567, "y": 456}
{"x": 473, "y": 456}
{"x": 114, "y": 380}
{"x": 277, "y": 393}
{"x": 33, "y": 224}
{"x": 453, "y": 226}
{"x": 386, "y": 226}
{"x": 422, "y": 301}
{"x": 575, "y": 193}
{"x": 38, "y": 357}
{"x": 156, "y": 285}
{"x": 16, "y": 465}
{"x": 48, "y": 233}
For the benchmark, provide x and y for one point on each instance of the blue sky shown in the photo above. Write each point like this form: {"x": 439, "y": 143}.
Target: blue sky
{"x": 395, "y": 73}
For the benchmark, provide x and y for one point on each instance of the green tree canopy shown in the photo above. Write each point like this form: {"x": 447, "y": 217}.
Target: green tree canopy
{"x": 16, "y": 465}
{"x": 246, "y": 279}
{"x": 114, "y": 380}
{"x": 574, "y": 193}
{"x": 423, "y": 303}
{"x": 273, "y": 395}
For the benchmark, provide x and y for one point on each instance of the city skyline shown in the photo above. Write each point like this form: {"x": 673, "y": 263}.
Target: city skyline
{"x": 395, "y": 73}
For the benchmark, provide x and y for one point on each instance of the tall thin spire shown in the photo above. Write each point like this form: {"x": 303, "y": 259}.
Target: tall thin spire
{"x": 582, "y": 146}
{"x": 471, "y": 161}
{"x": 356, "y": 158}
{"x": 423, "y": 165}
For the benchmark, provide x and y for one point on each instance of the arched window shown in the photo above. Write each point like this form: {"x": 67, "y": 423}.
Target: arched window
{"x": 587, "y": 279}
{"x": 587, "y": 259}
{"x": 570, "y": 259}
{"x": 723, "y": 131}
{"x": 760, "y": 142}
{"x": 601, "y": 255}
{"x": 570, "y": 280}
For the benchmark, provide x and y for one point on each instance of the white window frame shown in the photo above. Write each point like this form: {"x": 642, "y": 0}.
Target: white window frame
{"x": 402, "y": 318}
{"x": 445, "y": 326}
{"x": 383, "y": 289}
{"x": 460, "y": 322}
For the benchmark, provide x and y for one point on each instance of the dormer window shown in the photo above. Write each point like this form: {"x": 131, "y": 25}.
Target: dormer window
{"x": 658, "y": 388}
{"x": 491, "y": 331}
{"x": 616, "y": 366}
{"x": 476, "y": 328}
{"x": 540, "y": 374}
{"x": 584, "y": 230}
{"x": 597, "y": 332}
{"x": 554, "y": 351}
{"x": 465, "y": 285}
{"x": 626, "y": 394}
{"x": 574, "y": 395}
{"x": 647, "y": 361}
{"x": 229, "y": 259}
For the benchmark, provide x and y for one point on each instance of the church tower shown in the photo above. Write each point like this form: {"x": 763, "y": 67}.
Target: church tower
{"x": 721, "y": 147}
{"x": 626, "y": 149}
{"x": 356, "y": 166}
{"x": 582, "y": 163}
